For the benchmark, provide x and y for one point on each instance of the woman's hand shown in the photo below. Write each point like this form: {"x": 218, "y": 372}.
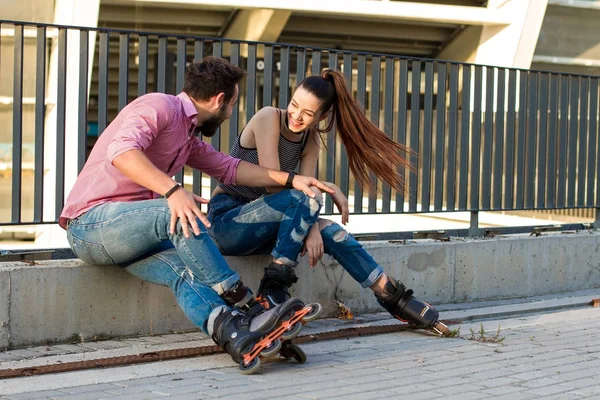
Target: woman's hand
{"x": 313, "y": 245}
{"x": 340, "y": 201}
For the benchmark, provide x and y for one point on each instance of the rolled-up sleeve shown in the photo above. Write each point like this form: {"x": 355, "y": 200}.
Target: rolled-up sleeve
{"x": 138, "y": 126}
{"x": 205, "y": 158}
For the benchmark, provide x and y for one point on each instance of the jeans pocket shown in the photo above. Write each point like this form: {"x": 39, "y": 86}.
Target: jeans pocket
{"x": 91, "y": 253}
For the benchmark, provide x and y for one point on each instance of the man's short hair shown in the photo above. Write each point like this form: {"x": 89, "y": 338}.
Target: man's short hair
{"x": 210, "y": 77}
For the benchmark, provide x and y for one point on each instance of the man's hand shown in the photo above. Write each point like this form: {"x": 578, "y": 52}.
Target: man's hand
{"x": 313, "y": 245}
{"x": 183, "y": 206}
{"x": 303, "y": 183}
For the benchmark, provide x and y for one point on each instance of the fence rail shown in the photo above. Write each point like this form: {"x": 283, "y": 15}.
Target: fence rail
{"x": 486, "y": 138}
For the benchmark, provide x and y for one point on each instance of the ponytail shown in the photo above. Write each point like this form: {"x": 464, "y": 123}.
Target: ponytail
{"x": 367, "y": 146}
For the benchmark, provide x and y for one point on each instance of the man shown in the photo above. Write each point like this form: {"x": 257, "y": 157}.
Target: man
{"x": 125, "y": 208}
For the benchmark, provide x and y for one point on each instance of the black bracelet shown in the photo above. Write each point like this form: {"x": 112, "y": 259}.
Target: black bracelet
{"x": 288, "y": 183}
{"x": 172, "y": 190}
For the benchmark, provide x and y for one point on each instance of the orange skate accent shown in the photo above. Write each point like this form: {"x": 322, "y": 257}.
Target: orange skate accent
{"x": 266, "y": 341}
{"x": 263, "y": 301}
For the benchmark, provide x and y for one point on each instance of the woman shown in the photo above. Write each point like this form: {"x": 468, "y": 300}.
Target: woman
{"x": 249, "y": 220}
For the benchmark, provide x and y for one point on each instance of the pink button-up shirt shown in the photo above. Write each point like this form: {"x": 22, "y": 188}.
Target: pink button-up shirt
{"x": 158, "y": 125}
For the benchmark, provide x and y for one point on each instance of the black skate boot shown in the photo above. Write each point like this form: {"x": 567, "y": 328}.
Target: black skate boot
{"x": 248, "y": 339}
{"x": 274, "y": 288}
{"x": 275, "y": 284}
{"x": 240, "y": 297}
{"x": 399, "y": 302}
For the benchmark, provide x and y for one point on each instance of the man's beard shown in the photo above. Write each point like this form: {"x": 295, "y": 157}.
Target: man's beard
{"x": 210, "y": 125}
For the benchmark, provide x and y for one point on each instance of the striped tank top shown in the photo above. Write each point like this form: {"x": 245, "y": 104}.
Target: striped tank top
{"x": 289, "y": 157}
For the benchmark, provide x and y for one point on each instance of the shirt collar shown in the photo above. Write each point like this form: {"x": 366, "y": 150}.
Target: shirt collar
{"x": 188, "y": 105}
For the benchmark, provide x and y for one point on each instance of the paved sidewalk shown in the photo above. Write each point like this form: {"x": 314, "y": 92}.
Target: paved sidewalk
{"x": 549, "y": 355}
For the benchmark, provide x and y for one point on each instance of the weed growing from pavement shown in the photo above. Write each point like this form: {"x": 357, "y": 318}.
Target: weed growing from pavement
{"x": 481, "y": 336}
{"x": 452, "y": 333}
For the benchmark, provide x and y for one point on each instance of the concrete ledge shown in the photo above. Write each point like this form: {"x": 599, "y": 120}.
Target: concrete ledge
{"x": 57, "y": 301}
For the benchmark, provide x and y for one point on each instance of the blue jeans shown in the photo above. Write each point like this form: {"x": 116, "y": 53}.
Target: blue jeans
{"x": 276, "y": 222}
{"x": 136, "y": 235}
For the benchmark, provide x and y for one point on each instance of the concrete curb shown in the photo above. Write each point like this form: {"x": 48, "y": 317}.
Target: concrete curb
{"x": 58, "y": 301}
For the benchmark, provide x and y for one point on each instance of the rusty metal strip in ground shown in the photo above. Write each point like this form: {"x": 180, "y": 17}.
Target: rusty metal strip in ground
{"x": 164, "y": 355}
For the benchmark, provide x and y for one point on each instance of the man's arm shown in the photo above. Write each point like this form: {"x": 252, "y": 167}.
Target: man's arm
{"x": 136, "y": 166}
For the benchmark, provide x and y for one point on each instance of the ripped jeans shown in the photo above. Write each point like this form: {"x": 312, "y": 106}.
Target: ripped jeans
{"x": 278, "y": 223}
{"x": 135, "y": 235}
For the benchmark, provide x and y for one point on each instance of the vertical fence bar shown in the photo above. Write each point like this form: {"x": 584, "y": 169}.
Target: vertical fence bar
{"x": 344, "y": 173}
{"x": 198, "y": 56}
{"x": 486, "y": 167}
{"x": 591, "y": 169}
{"x": 509, "y": 154}
{"x": 465, "y": 130}
{"x": 542, "y": 143}
{"x": 499, "y": 141}
{"x": 582, "y": 139}
{"x": 161, "y": 68}
{"x": 268, "y": 77}
{"x": 520, "y": 158}
{"x": 179, "y": 79}
{"x": 103, "y": 52}
{"x": 452, "y": 133}
{"x": 251, "y": 83}
{"x": 142, "y": 65}
{"x": 123, "y": 70}
{"x": 361, "y": 96}
{"x": 60, "y": 121}
{"x": 300, "y": 65}
{"x": 402, "y": 122}
{"x": 284, "y": 76}
{"x": 415, "y": 111}
{"x": 235, "y": 113}
{"x": 572, "y": 163}
{"x": 562, "y": 142}
{"x": 83, "y": 98}
{"x": 375, "y": 94}
{"x": 388, "y": 123}
{"x": 440, "y": 133}
{"x": 530, "y": 145}
{"x": 426, "y": 154}
{"x": 181, "y": 64}
{"x": 217, "y": 48}
{"x": 331, "y": 145}
{"x": 476, "y": 140}
{"x": 40, "y": 114}
{"x": 316, "y": 62}
{"x": 198, "y": 50}
{"x": 552, "y": 127}
{"x": 17, "y": 128}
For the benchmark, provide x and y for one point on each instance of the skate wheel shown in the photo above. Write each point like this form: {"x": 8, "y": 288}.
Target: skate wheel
{"x": 316, "y": 309}
{"x": 293, "y": 351}
{"x": 250, "y": 368}
{"x": 292, "y": 332}
{"x": 440, "y": 328}
{"x": 272, "y": 349}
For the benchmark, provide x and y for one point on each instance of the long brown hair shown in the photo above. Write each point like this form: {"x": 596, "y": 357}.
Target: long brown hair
{"x": 368, "y": 147}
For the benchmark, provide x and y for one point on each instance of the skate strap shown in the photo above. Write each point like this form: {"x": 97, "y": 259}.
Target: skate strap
{"x": 255, "y": 309}
{"x": 402, "y": 296}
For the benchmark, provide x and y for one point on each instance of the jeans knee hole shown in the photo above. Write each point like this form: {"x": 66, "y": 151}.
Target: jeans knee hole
{"x": 340, "y": 236}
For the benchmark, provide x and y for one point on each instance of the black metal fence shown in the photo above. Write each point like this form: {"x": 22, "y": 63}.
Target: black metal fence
{"x": 487, "y": 138}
